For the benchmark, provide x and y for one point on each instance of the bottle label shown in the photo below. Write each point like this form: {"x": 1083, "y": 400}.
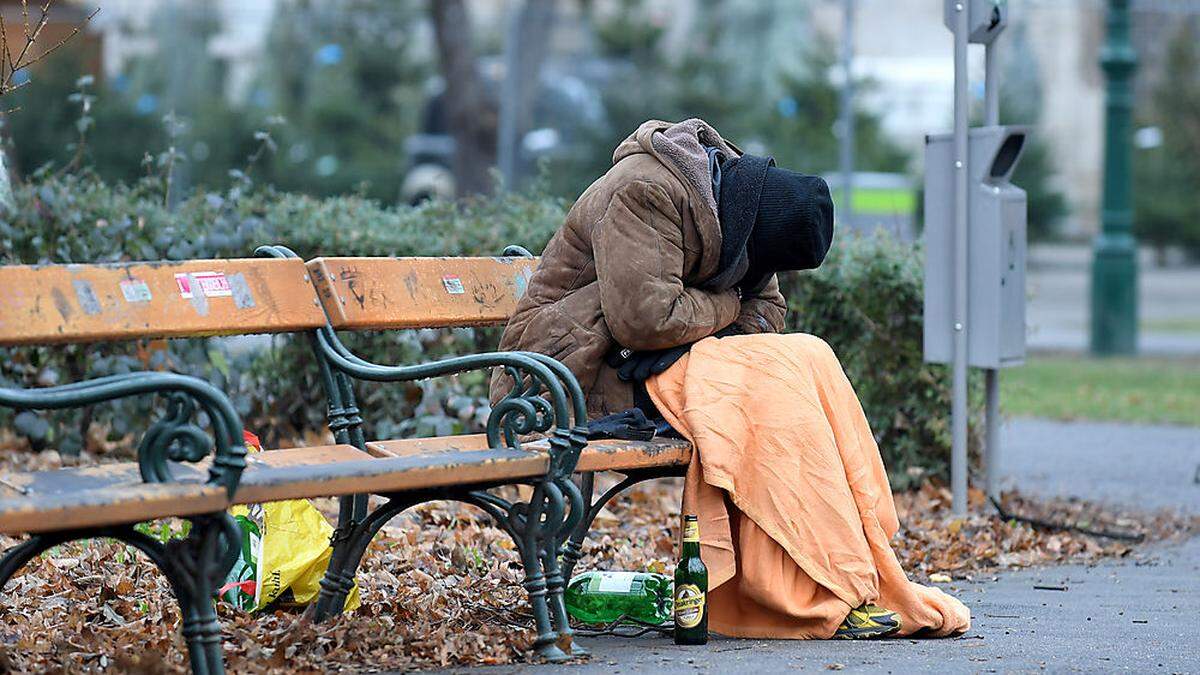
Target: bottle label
{"x": 691, "y": 531}
{"x": 689, "y": 605}
{"x": 616, "y": 582}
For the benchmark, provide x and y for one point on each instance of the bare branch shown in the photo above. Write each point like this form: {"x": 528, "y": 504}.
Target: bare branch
{"x": 30, "y": 40}
{"x": 5, "y": 55}
{"x": 25, "y": 18}
{"x": 75, "y": 31}
{"x": 10, "y": 65}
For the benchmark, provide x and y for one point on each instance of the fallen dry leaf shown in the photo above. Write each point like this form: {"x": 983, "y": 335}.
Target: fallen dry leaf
{"x": 441, "y": 586}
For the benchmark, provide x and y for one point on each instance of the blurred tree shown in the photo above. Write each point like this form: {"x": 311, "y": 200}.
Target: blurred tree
{"x": 472, "y": 117}
{"x": 798, "y": 129}
{"x": 348, "y": 80}
{"x": 1167, "y": 173}
{"x": 1021, "y": 103}
{"x": 524, "y": 51}
{"x": 711, "y": 79}
{"x": 44, "y": 124}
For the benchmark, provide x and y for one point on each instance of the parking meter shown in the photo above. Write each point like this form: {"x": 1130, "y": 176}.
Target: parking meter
{"x": 996, "y": 248}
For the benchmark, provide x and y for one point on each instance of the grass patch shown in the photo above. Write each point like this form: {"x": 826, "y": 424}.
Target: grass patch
{"x": 1141, "y": 390}
{"x": 1181, "y": 325}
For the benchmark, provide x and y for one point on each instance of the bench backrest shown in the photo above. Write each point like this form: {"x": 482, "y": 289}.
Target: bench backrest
{"x": 390, "y": 293}
{"x": 45, "y": 304}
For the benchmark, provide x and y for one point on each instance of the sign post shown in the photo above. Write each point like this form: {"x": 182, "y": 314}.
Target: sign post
{"x": 975, "y": 238}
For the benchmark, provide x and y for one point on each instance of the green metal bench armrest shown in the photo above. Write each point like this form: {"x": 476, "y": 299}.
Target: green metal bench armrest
{"x": 176, "y": 430}
{"x": 523, "y": 411}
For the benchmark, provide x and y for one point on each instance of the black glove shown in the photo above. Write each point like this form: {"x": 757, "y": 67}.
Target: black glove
{"x": 637, "y": 366}
{"x": 631, "y": 425}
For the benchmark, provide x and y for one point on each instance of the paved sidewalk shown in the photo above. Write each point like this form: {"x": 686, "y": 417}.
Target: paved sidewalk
{"x": 1147, "y": 467}
{"x": 1131, "y": 615}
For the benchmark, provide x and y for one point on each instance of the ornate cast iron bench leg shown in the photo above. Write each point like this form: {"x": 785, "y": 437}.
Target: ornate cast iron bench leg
{"x": 572, "y": 549}
{"x": 195, "y": 567}
{"x": 522, "y": 522}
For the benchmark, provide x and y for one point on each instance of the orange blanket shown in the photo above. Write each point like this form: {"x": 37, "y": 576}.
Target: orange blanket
{"x": 794, "y": 504}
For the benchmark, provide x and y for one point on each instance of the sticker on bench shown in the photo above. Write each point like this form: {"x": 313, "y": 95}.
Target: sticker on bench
{"x": 208, "y": 284}
{"x": 136, "y": 290}
{"x": 453, "y": 284}
{"x": 86, "y": 296}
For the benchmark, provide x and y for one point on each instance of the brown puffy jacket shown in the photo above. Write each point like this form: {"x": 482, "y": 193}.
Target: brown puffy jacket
{"x": 627, "y": 266}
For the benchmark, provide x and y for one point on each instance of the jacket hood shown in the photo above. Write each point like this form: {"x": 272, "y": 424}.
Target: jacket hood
{"x": 679, "y": 146}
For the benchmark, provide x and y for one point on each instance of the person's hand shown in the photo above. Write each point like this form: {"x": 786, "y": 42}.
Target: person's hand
{"x": 641, "y": 365}
{"x": 637, "y": 366}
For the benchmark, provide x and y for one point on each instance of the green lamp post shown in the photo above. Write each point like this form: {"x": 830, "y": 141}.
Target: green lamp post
{"x": 1114, "y": 267}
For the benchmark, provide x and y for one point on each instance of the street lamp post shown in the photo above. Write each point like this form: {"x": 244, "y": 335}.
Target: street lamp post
{"x": 1114, "y": 266}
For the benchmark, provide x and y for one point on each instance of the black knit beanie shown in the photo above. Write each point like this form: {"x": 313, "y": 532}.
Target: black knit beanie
{"x": 794, "y": 228}
{"x": 772, "y": 220}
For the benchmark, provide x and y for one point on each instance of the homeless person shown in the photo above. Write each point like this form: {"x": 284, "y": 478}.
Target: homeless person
{"x": 659, "y": 293}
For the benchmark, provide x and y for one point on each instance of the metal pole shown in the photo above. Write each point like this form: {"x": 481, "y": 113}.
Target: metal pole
{"x": 991, "y": 83}
{"x": 847, "y": 112}
{"x": 506, "y": 136}
{"x": 992, "y": 453}
{"x": 1114, "y": 266}
{"x": 991, "y": 117}
{"x": 958, "y": 406}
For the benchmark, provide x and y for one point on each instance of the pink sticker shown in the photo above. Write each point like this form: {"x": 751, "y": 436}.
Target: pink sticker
{"x": 453, "y": 284}
{"x": 208, "y": 284}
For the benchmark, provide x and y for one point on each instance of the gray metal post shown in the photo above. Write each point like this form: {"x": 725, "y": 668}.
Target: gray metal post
{"x": 506, "y": 136}
{"x": 958, "y": 405}
{"x": 991, "y": 455}
{"x": 847, "y": 112}
{"x": 991, "y": 117}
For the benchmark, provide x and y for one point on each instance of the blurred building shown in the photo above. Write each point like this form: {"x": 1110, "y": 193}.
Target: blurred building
{"x": 128, "y": 30}
{"x": 1050, "y": 51}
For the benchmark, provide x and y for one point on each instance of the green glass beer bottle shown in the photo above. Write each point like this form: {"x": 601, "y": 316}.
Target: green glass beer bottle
{"x": 691, "y": 589}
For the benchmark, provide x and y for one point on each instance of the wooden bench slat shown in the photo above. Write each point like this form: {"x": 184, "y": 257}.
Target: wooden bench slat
{"x": 389, "y": 293}
{"x": 130, "y": 503}
{"x": 390, "y": 474}
{"x": 599, "y": 455}
{"x": 111, "y": 494}
{"x": 48, "y": 304}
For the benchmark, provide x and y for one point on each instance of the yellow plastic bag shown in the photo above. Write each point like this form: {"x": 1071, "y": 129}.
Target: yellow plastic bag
{"x": 285, "y": 550}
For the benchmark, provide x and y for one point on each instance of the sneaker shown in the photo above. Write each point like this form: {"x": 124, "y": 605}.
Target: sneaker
{"x": 868, "y": 622}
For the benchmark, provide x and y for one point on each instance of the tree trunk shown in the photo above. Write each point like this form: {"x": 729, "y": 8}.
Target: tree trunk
{"x": 471, "y": 115}
{"x": 8, "y": 167}
{"x": 6, "y": 195}
{"x": 525, "y": 50}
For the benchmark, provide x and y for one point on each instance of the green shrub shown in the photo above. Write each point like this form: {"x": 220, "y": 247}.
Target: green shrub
{"x": 865, "y": 300}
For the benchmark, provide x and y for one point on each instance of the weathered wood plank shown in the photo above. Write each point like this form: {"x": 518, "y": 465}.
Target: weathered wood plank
{"x": 43, "y": 304}
{"x": 599, "y": 455}
{"x": 386, "y": 293}
{"x": 115, "y": 505}
{"x": 377, "y": 475}
{"x": 113, "y": 494}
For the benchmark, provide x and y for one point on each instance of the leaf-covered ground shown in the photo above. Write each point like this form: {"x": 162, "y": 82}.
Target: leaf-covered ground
{"x": 441, "y": 587}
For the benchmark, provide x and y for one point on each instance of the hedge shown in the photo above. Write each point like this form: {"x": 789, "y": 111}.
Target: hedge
{"x": 865, "y": 300}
